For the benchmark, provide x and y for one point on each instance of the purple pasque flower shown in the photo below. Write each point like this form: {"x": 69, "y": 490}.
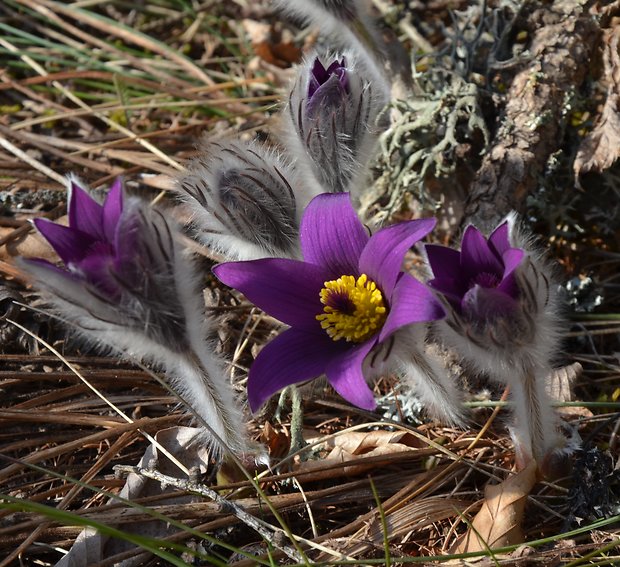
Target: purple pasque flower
{"x": 127, "y": 286}
{"x": 332, "y": 120}
{"x": 479, "y": 282}
{"x": 347, "y": 295}
{"x": 117, "y": 256}
{"x": 327, "y": 86}
{"x": 503, "y": 321}
{"x": 89, "y": 245}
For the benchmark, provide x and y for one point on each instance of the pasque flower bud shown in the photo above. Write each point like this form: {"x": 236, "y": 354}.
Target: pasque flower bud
{"x": 332, "y": 120}
{"x": 503, "y": 320}
{"x": 246, "y": 201}
{"x": 127, "y": 286}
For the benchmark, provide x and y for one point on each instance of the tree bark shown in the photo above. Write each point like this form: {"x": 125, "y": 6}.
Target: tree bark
{"x": 564, "y": 36}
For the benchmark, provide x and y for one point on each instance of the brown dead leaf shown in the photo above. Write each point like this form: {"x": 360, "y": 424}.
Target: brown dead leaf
{"x": 270, "y": 46}
{"x": 276, "y": 440}
{"x": 353, "y": 445}
{"x": 498, "y": 523}
{"x": 357, "y": 443}
{"x": 601, "y": 147}
{"x": 27, "y": 244}
{"x": 561, "y": 381}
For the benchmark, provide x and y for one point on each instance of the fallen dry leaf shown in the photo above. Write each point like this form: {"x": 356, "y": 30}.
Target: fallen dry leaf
{"x": 271, "y": 48}
{"x": 357, "y": 443}
{"x": 28, "y": 244}
{"x": 498, "y": 523}
{"x": 561, "y": 381}
{"x": 601, "y": 147}
{"x": 353, "y": 445}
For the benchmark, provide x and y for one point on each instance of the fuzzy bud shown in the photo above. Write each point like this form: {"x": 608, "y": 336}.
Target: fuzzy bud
{"x": 246, "y": 201}
{"x": 332, "y": 120}
{"x": 128, "y": 287}
{"x": 503, "y": 320}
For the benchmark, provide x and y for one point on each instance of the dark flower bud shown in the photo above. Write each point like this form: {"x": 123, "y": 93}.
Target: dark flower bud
{"x": 332, "y": 121}
{"x": 246, "y": 201}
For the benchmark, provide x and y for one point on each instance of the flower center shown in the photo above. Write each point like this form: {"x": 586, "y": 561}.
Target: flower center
{"x": 485, "y": 279}
{"x": 354, "y": 309}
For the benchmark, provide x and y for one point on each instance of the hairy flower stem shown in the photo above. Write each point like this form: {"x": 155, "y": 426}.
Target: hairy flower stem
{"x": 297, "y": 417}
{"x": 534, "y": 434}
{"x": 428, "y": 379}
{"x": 297, "y": 420}
{"x": 204, "y": 390}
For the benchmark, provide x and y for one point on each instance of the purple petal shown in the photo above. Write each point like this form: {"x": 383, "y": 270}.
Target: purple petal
{"x": 70, "y": 244}
{"x": 332, "y": 236}
{"x": 112, "y": 209}
{"x": 318, "y": 75}
{"x": 512, "y": 260}
{"x": 293, "y": 356}
{"x": 453, "y": 289}
{"x": 337, "y": 66}
{"x": 85, "y": 213}
{"x": 96, "y": 269}
{"x": 344, "y": 373}
{"x": 476, "y": 256}
{"x": 39, "y": 266}
{"x": 382, "y": 258}
{"x": 132, "y": 235}
{"x": 500, "y": 238}
{"x": 411, "y": 302}
{"x": 445, "y": 262}
{"x": 328, "y": 96}
{"x": 289, "y": 290}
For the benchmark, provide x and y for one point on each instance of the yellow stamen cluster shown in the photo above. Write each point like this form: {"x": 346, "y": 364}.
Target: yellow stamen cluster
{"x": 364, "y": 311}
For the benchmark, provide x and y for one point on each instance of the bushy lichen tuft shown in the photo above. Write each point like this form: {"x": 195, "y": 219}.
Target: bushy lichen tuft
{"x": 423, "y": 141}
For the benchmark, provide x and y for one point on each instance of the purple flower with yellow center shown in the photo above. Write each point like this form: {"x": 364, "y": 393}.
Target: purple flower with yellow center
{"x": 479, "y": 282}
{"x": 347, "y": 296}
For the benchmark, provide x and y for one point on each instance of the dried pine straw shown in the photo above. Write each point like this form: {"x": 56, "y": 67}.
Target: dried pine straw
{"x": 103, "y": 89}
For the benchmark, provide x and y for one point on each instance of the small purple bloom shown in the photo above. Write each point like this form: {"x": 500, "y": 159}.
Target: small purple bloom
{"x": 479, "y": 281}
{"x": 348, "y": 295}
{"x": 327, "y": 87}
{"x": 119, "y": 255}
{"x": 90, "y": 245}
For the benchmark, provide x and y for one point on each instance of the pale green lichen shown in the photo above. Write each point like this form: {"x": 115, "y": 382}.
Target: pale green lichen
{"x": 441, "y": 125}
{"x": 422, "y": 141}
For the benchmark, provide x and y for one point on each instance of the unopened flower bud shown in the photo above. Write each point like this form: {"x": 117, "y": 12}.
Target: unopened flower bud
{"x": 332, "y": 120}
{"x": 246, "y": 201}
{"x": 503, "y": 320}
